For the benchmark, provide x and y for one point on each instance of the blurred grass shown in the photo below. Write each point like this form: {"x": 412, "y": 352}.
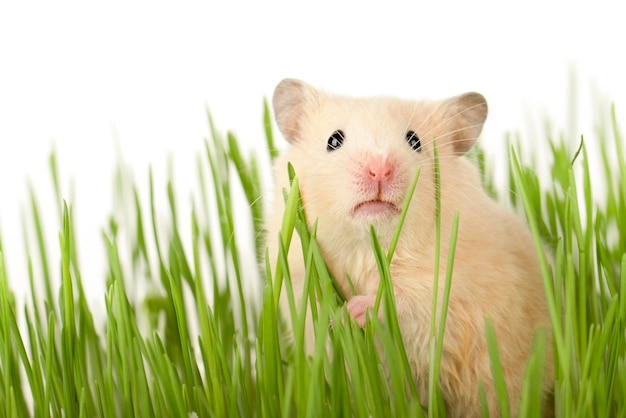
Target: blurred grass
{"x": 198, "y": 344}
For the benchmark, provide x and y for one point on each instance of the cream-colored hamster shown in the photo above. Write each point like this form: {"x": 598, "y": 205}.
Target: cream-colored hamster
{"x": 355, "y": 159}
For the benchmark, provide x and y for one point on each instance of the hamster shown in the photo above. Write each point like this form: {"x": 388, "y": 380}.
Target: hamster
{"x": 355, "y": 159}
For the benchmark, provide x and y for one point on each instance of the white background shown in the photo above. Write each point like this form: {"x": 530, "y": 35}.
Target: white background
{"x": 137, "y": 76}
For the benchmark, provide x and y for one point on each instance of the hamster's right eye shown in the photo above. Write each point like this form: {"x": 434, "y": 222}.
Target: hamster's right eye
{"x": 335, "y": 140}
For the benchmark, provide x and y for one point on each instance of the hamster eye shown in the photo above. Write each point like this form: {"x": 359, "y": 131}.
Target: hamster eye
{"x": 414, "y": 141}
{"x": 335, "y": 140}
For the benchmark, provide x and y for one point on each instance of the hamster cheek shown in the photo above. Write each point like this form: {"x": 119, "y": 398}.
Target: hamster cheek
{"x": 358, "y": 307}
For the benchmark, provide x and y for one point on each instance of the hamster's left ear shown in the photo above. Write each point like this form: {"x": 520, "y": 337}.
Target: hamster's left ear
{"x": 290, "y": 102}
{"x": 466, "y": 116}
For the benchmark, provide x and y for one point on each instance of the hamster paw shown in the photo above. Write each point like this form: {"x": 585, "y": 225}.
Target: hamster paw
{"x": 358, "y": 307}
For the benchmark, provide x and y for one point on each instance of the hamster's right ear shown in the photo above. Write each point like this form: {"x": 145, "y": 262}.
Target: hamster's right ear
{"x": 290, "y": 101}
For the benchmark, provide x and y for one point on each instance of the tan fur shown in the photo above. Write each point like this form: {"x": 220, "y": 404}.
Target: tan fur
{"x": 496, "y": 273}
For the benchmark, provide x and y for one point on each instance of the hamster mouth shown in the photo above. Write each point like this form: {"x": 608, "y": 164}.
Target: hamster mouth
{"x": 375, "y": 208}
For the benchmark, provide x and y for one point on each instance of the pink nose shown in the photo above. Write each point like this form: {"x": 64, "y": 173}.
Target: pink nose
{"x": 379, "y": 169}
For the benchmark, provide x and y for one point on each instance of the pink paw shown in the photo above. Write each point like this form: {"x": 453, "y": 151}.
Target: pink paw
{"x": 358, "y": 307}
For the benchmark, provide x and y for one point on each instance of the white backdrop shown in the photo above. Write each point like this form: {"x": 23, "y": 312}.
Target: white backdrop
{"x": 83, "y": 76}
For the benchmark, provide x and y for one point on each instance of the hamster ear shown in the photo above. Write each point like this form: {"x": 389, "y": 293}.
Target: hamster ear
{"x": 466, "y": 116}
{"x": 291, "y": 98}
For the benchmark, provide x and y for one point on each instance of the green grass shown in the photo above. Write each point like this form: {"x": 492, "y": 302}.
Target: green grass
{"x": 200, "y": 344}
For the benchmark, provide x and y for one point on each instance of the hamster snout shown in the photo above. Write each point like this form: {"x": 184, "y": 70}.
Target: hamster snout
{"x": 379, "y": 170}
{"x": 377, "y": 187}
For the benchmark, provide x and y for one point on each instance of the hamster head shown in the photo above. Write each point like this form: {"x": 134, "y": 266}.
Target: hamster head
{"x": 357, "y": 157}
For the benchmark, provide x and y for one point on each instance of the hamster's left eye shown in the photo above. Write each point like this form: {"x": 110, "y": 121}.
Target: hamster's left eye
{"x": 414, "y": 141}
{"x": 335, "y": 140}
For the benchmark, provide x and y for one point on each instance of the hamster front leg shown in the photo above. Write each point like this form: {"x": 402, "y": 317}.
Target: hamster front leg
{"x": 359, "y": 306}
